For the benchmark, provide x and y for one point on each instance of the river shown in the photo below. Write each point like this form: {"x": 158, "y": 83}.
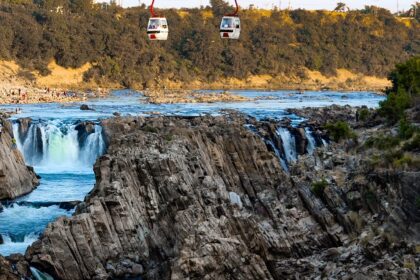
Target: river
{"x": 64, "y": 161}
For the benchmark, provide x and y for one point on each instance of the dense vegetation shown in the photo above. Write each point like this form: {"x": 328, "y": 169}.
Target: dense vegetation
{"x": 402, "y": 109}
{"x": 74, "y": 32}
{"x": 405, "y": 90}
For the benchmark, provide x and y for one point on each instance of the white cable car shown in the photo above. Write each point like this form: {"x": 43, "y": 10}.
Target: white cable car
{"x": 230, "y": 28}
{"x": 157, "y": 28}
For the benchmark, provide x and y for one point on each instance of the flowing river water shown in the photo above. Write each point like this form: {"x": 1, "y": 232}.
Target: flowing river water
{"x": 64, "y": 160}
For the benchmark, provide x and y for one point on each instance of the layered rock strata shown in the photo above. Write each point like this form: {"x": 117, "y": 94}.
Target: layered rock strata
{"x": 16, "y": 178}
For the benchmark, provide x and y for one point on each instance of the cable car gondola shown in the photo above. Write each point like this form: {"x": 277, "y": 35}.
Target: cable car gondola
{"x": 157, "y": 28}
{"x": 230, "y": 27}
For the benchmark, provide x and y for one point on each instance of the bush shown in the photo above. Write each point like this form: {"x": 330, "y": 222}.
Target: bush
{"x": 340, "y": 130}
{"x": 405, "y": 160}
{"x": 406, "y": 129}
{"x": 394, "y": 106}
{"x": 150, "y": 129}
{"x": 405, "y": 88}
{"x": 363, "y": 114}
{"x": 413, "y": 145}
{"x": 382, "y": 142}
{"x": 319, "y": 187}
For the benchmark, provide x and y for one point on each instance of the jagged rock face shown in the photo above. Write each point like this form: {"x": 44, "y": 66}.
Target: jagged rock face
{"x": 6, "y": 272}
{"x": 178, "y": 198}
{"x": 24, "y": 124}
{"x": 16, "y": 178}
{"x": 84, "y": 129}
{"x": 205, "y": 198}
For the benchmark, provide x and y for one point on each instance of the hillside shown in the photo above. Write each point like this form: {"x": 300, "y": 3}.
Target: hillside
{"x": 276, "y": 48}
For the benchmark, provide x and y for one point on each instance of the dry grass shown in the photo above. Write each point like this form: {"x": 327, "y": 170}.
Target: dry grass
{"x": 345, "y": 79}
{"x": 406, "y": 21}
{"x": 207, "y": 14}
{"x": 61, "y": 77}
{"x": 183, "y": 14}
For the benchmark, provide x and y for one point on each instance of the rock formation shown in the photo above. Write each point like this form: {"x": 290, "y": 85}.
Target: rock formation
{"x": 16, "y": 178}
{"x": 206, "y": 198}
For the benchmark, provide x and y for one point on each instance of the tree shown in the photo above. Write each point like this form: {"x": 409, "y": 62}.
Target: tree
{"x": 414, "y": 11}
{"x": 219, "y": 7}
{"x": 405, "y": 90}
{"x": 341, "y": 7}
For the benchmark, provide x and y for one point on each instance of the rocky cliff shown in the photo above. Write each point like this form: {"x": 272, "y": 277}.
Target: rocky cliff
{"x": 207, "y": 198}
{"x": 15, "y": 177}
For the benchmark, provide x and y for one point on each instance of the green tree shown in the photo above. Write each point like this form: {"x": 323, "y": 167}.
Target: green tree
{"x": 219, "y": 7}
{"x": 341, "y": 7}
{"x": 405, "y": 90}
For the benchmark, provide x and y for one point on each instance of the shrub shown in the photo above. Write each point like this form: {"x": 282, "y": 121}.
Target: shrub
{"x": 319, "y": 187}
{"x": 394, "y": 106}
{"x": 169, "y": 137}
{"x": 406, "y": 129}
{"x": 405, "y": 160}
{"x": 340, "y": 130}
{"x": 363, "y": 114}
{"x": 412, "y": 145}
{"x": 382, "y": 142}
{"x": 405, "y": 87}
{"x": 150, "y": 129}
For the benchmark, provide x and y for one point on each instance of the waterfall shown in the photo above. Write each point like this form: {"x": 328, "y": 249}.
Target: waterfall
{"x": 63, "y": 153}
{"x": 38, "y": 275}
{"x": 57, "y": 146}
{"x": 278, "y": 154}
{"x": 289, "y": 144}
{"x": 311, "y": 141}
{"x": 270, "y": 143}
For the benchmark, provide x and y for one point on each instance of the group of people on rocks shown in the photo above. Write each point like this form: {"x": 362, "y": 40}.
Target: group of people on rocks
{"x": 22, "y": 96}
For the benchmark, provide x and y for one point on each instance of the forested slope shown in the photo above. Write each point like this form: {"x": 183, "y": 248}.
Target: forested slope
{"x": 74, "y": 32}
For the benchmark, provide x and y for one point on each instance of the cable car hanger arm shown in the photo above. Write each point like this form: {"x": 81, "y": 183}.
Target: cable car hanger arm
{"x": 234, "y": 14}
{"x": 152, "y": 11}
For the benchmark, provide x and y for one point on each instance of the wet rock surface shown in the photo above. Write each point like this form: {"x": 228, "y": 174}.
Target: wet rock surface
{"x": 16, "y": 178}
{"x": 207, "y": 198}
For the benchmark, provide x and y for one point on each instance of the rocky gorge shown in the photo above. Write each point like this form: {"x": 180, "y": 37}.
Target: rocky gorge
{"x": 209, "y": 197}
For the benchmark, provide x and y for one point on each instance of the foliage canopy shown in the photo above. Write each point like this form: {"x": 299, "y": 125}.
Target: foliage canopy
{"x": 74, "y": 32}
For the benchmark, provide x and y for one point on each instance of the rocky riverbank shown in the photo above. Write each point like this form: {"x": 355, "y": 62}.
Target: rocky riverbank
{"x": 188, "y": 96}
{"x": 207, "y": 198}
{"x": 16, "y": 178}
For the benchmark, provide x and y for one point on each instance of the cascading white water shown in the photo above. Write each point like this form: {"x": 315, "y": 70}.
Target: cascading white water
{"x": 93, "y": 146}
{"x": 289, "y": 144}
{"x": 311, "y": 141}
{"x": 53, "y": 146}
{"x": 38, "y": 275}
{"x": 63, "y": 156}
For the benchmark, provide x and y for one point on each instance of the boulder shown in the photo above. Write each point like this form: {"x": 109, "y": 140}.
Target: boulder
{"x": 85, "y": 107}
